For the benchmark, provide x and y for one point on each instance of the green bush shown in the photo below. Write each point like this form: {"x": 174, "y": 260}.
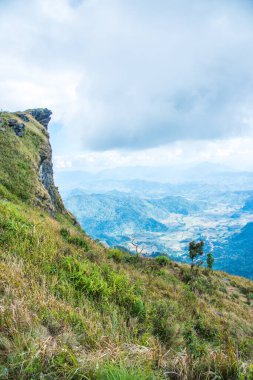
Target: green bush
{"x": 132, "y": 259}
{"x": 116, "y": 254}
{"x": 164, "y": 322}
{"x": 195, "y": 347}
{"x": 65, "y": 233}
{"x": 205, "y": 327}
{"x": 78, "y": 241}
{"x": 162, "y": 261}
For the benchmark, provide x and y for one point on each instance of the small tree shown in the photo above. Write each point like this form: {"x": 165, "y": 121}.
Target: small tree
{"x": 210, "y": 261}
{"x": 195, "y": 251}
{"x": 138, "y": 250}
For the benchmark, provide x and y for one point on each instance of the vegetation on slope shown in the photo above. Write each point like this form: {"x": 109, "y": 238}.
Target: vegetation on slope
{"x": 72, "y": 309}
{"x": 20, "y": 163}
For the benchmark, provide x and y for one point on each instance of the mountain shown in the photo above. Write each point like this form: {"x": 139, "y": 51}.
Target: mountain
{"x": 116, "y": 217}
{"x": 154, "y": 180}
{"x": 72, "y": 309}
{"x": 175, "y": 204}
{"x": 239, "y": 247}
{"x": 167, "y": 224}
{"x": 248, "y": 206}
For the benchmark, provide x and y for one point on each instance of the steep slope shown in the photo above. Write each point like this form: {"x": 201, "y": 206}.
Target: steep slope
{"x": 248, "y": 207}
{"x": 71, "y": 309}
{"x": 240, "y": 245}
{"x": 26, "y": 171}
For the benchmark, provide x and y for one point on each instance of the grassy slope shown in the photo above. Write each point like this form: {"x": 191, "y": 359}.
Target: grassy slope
{"x": 71, "y": 309}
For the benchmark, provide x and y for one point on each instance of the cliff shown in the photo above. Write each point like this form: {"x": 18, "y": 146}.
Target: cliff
{"x": 26, "y": 159}
{"x": 73, "y": 309}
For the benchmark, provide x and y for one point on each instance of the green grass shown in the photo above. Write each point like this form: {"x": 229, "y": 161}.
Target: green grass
{"x": 90, "y": 305}
{"x": 119, "y": 372}
{"x": 19, "y": 160}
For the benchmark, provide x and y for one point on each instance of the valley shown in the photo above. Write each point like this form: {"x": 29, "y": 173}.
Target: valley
{"x": 164, "y": 218}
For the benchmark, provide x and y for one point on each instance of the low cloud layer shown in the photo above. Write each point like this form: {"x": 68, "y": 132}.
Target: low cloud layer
{"x": 131, "y": 75}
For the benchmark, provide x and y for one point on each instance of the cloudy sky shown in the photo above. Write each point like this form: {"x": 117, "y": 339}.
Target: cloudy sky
{"x": 134, "y": 82}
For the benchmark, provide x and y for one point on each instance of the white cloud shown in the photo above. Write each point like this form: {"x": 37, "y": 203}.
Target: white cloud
{"x": 234, "y": 154}
{"x": 57, "y": 10}
{"x": 124, "y": 76}
{"x": 22, "y": 92}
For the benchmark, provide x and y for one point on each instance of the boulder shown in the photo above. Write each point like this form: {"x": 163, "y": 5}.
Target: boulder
{"x": 18, "y": 128}
{"x": 12, "y": 122}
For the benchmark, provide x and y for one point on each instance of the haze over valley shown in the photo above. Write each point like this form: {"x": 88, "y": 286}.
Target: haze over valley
{"x": 162, "y": 217}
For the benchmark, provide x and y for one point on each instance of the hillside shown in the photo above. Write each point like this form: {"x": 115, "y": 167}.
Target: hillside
{"x": 72, "y": 309}
{"x": 248, "y": 207}
{"x": 240, "y": 245}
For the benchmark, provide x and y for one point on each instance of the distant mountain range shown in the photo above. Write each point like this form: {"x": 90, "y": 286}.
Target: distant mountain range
{"x": 166, "y": 224}
{"x": 117, "y": 217}
{"x": 155, "y": 179}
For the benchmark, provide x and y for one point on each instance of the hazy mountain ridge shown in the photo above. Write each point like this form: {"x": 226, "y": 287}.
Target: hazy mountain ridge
{"x": 238, "y": 252}
{"x": 167, "y": 224}
{"x": 120, "y": 214}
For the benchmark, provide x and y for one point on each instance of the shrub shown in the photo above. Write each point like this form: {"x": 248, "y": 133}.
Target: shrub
{"x": 65, "y": 233}
{"x": 195, "y": 347}
{"x": 210, "y": 260}
{"x": 200, "y": 284}
{"x": 132, "y": 259}
{"x": 162, "y": 261}
{"x": 116, "y": 255}
{"x": 164, "y": 324}
{"x": 205, "y": 327}
{"x": 77, "y": 240}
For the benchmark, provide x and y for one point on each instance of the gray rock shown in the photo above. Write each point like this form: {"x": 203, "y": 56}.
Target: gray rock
{"x": 12, "y": 122}
{"x": 42, "y": 115}
{"x": 23, "y": 117}
{"x": 18, "y": 128}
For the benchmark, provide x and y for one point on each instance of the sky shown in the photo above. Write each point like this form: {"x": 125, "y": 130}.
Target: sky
{"x": 136, "y": 82}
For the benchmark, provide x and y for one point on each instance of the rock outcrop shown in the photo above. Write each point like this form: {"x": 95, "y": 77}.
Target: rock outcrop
{"x": 46, "y": 174}
{"x": 27, "y": 158}
{"x": 19, "y": 128}
{"x": 42, "y": 115}
{"x": 23, "y": 116}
